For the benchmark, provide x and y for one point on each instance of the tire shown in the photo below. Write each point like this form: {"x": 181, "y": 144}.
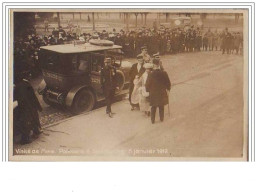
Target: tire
{"x": 120, "y": 81}
{"x": 84, "y": 101}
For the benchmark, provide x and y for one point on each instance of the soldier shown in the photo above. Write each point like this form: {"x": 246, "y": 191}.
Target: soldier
{"x": 118, "y": 40}
{"x": 136, "y": 69}
{"x": 139, "y": 43}
{"x": 46, "y": 23}
{"x": 225, "y": 41}
{"x": 181, "y": 41}
{"x": 215, "y": 40}
{"x": 108, "y": 82}
{"x": 156, "y": 57}
{"x": 205, "y": 42}
{"x": 237, "y": 41}
{"x": 209, "y": 36}
{"x": 157, "y": 84}
{"x": 198, "y": 40}
{"x": 131, "y": 41}
{"x": 145, "y": 55}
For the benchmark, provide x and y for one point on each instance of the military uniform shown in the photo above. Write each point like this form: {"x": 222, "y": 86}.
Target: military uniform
{"x": 109, "y": 82}
{"x": 225, "y": 41}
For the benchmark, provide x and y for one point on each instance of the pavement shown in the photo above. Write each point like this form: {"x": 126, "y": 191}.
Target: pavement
{"x": 206, "y": 104}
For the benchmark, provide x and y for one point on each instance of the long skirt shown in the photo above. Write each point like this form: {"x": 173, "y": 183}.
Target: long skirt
{"x": 144, "y": 103}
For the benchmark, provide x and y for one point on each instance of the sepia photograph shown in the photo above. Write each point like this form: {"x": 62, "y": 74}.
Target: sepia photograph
{"x": 128, "y": 84}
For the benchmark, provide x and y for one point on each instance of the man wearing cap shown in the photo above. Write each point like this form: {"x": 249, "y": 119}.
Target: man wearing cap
{"x": 225, "y": 38}
{"x": 157, "y": 84}
{"x": 157, "y": 57}
{"x": 136, "y": 69}
{"x": 108, "y": 82}
{"x": 146, "y": 56}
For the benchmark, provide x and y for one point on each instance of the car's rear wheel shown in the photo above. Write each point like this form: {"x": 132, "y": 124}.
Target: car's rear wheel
{"x": 84, "y": 101}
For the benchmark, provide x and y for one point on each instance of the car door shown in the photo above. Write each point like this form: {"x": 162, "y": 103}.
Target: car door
{"x": 97, "y": 62}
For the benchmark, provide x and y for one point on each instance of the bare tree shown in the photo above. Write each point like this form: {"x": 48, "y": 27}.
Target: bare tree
{"x": 167, "y": 16}
{"x": 237, "y": 18}
{"x": 145, "y": 18}
{"x": 142, "y": 18}
{"x": 127, "y": 21}
{"x": 136, "y": 14}
{"x": 93, "y": 18}
{"x": 58, "y": 19}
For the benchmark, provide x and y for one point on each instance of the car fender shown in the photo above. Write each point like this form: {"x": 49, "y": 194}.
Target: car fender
{"x": 72, "y": 93}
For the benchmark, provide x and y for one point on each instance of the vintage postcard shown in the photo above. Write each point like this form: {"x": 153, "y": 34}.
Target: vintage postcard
{"x": 128, "y": 84}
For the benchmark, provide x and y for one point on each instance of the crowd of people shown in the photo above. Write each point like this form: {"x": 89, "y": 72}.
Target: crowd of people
{"x": 162, "y": 40}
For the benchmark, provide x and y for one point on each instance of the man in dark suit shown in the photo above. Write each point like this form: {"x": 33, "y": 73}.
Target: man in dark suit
{"x": 157, "y": 84}
{"x": 136, "y": 69}
{"x": 28, "y": 107}
{"x": 108, "y": 82}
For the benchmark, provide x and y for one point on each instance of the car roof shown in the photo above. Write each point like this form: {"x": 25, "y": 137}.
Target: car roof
{"x": 79, "y": 48}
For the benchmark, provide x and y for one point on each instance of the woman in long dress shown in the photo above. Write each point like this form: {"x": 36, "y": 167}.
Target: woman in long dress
{"x": 135, "y": 94}
{"x": 143, "y": 95}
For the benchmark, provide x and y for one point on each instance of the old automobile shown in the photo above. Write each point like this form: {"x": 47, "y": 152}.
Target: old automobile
{"x": 72, "y": 73}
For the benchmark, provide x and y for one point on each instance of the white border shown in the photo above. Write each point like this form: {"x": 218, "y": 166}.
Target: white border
{"x": 129, "y": 178}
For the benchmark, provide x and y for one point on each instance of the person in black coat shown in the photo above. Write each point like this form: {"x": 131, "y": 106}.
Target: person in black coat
{"x": 28, "y": 107}
{"x": 157, "y": 84}
{"x": 108, "y": 82}
{"x": 136, "y": 69}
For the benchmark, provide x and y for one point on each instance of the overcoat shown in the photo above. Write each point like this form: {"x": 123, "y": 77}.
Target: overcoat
{"x": 28, "y": 106}
{"x": 108, "y": 80}
{"x": 157, "y": 83}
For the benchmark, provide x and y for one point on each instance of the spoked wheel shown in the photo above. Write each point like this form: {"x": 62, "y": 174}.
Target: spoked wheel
{"x": 84, "y": 101}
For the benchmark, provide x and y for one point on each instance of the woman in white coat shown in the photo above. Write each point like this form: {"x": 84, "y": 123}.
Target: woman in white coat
{"x": 143, "y": 95}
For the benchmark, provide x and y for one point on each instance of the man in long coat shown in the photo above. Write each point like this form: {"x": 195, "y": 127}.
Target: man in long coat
{"x": 28, "y": 107}
{"x": 157, "y": 84}
{"x": 136, "y": 69}
{"x": 109, "y": 82}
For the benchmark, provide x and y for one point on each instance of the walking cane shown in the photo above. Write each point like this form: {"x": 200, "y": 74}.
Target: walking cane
{"x": 168, "y": 93}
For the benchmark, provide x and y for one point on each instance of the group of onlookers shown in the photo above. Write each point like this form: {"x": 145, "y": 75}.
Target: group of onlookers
{"x": 162, "y": 40}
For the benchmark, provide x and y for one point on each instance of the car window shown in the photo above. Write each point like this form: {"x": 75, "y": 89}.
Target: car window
{"x": 81, "y": 63}
{"x": 97, "y": 62}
